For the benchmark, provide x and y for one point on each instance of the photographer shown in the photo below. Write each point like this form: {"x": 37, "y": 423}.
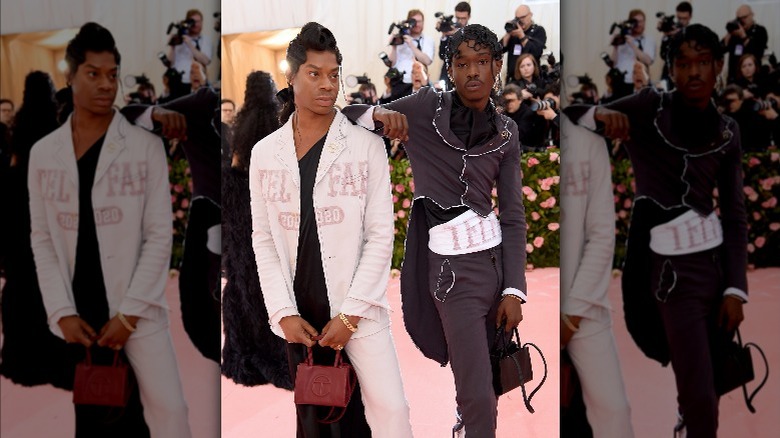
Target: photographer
{"x": 683, "y": 13}
{"x": 528, "y": 77}
{"x": 414, "y": 47}
{"x": 757, "y": 119}
{"x": 744, "y": 36}
{"x": 188, "y": 45}
{"x": 630, "y": 43}
{"x": 462, "y": 16}
{"x": 523, "y": 36}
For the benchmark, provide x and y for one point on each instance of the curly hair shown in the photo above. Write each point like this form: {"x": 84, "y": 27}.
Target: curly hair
{"x": 313, "y": 36}
{"x": 257, "y": 118}
{"x": 481, "y": 37}
{"x": 37, "y": 115}
{"x": 699, "y": 34}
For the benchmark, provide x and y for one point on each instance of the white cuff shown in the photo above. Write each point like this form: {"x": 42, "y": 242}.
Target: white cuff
{"x": 367, "y": 119}
{"x": 737, "y": 293}
{"x": 145, "y": 119}
{"x": 515, "y": 292}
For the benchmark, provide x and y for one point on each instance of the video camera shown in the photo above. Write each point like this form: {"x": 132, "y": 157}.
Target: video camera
{"x": 733, "y": 25}
{"x": 667, "y": 23}
{"x": 404, "y": 28}
{"x": 447, "y": 22}
{"x": 354, "y": 81}
{"x": 614, "y": 74}
{"x": 625, "y": 29}
{"x": 182, "y": 28}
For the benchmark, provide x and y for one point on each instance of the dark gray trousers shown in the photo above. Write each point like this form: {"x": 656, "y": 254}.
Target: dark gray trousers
{"x": 688, "y": 291}
{"x": 467, "y": 290}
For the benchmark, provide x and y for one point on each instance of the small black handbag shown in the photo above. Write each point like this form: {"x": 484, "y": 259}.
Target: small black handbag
{"x": 733, "y": 367}
{"x": 511, "y": 363}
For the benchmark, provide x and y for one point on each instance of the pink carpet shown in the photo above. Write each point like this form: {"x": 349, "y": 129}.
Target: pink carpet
{"x": 45, "y": 411}
{"x": 268, "y": 411}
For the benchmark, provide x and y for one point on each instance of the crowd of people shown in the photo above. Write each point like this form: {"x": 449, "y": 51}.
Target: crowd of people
{"x": 748, "y": 89}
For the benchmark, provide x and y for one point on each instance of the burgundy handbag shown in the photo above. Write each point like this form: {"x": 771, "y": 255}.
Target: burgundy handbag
{"x": 104, "y": 385}
{"x": 324, "y": 385}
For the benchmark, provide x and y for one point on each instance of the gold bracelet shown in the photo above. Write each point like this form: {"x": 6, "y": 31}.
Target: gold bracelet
{"x": 346, "y": 322}
{"x": 125, "y": 322}
{"x": 568, "y": 323}
{"x": 513, "y": 296}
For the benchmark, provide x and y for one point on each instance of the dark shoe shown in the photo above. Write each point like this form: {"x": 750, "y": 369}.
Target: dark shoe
{"x": 679, "y": 428}
{"x": 458, "y": 427}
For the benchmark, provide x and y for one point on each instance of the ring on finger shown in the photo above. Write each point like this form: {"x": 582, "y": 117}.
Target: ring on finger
{"x": 338, "y": 347}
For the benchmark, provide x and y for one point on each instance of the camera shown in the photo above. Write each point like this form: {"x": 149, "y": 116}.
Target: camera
{"x": 395, "y": 76}
{"x": 551, "y": 71}
{"x": 667, "y": 23}
{"x": 132, "y": 80}
{"x": 732, "y": 25}
{"x": 614, "y": 74}
{"x": 625, "y": 28}
{"x": 447, "y": 22}
{"x": 353, "y": 81}
{"x": 761, "y": 105}
{"x": 404, "y": 28}
{"x": 511, "y": 25}
{"x": 541, "y": 105}
{"x": 182, "y": 28}
{"x": 385, "y": 59}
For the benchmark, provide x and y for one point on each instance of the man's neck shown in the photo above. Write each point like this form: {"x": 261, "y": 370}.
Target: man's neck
{"x": 476, "y": 105}
{"x": 87, "y": 122}
{"x": 312, "y": 121}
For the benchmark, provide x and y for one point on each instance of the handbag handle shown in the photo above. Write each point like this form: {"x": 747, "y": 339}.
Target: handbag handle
{"x": 329, "y": 418}
{"x": 749, "y": 399}
{"x": 88, "y": 358}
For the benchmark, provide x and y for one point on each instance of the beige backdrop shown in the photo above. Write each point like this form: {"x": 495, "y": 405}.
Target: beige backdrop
{"x": 360, "y": 28}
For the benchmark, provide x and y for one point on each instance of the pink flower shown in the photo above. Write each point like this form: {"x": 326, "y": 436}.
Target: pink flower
{"x": 538, "y": 241}
{"x": 760, "y": 241}
{"x": 753, "y": 161}
{"x": 185, "y": 203}
{"x": 395, "y": 230}
{"x": 178, "y": 188}
{"x": 620, "y": 188}
{"x": 769, "y": 203}
{"x": 535, "y": 216}
{"x": 751, "y": 249}
{"x": 553, "y": 226}
{"x": 179, "y": 214}
{"x": 532, "y": 162}
{"x": 756, "y": 216}
{"x": 529, "y": 248}
{"x": 548, "y": 203}
{"x": 633, "y": 185}
{"x": 556, "y": 179}
{"x": 400, "y": 188}
{"x": 774, "y": 226}
{"x": 767, "y": 184}
{"x": 622, "y": 214}
{"x": 401, "y": 214}
{"x": 408, "y": 170}
{"x": 391, "y": 168}
{"x": 554, "y": 156}
{"x": 774, "y": 156}
{"x": 546, "y": 183}
{"x": 627, "y": 204}
{"x": 411, "y": 186}
{"x": 173, "y": 199}
{"x": 395, "y": 199}
{"x": 406, "y": 203}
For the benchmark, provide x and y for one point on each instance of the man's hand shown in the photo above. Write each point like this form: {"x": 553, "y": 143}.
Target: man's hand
{"x": 566, "y": 332}
{"x": 518, "y": 32}
{"x": 174, "y": 125}
{"x": 616, "y": 124}
{"x": 410, "y": 41}
{"x": 297, "y": 330}
{"x": 395, "y": 123}
{"x": 335, "y": 334}
{"x": 511, "y": 311}
{"x": 548, "y": 113}
{"x": 76, "y": 331}
{"x": 730, "y": 315}
{"x": 114, "y": 334}
{"x": 525, "y": 94}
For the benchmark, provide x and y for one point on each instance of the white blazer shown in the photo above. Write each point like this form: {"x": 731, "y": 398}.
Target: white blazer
{"x": 132, "y": 206}
{"x": 354, "y": 212}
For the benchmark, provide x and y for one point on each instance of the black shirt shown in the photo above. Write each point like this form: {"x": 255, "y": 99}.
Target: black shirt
{"x": 89, "y": 289}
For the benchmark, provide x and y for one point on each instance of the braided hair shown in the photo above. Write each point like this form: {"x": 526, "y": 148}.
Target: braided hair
{"x": 701, "y": 35}
{"x": 480, "y": 36}
{"x": 313, "y": 36}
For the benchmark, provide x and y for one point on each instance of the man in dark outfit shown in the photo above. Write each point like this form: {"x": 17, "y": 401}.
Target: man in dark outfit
{"x": 464, "y": 271}
{"x": 684, "y": 279}
{"x": 747, "y": 37}
{"x": 527, "y": 37}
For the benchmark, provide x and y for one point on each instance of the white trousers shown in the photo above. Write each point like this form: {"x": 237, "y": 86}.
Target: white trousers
{"x": 154, "y": 363}
{"x": 376, "y": 365}
{"x": 594, "y": 354}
